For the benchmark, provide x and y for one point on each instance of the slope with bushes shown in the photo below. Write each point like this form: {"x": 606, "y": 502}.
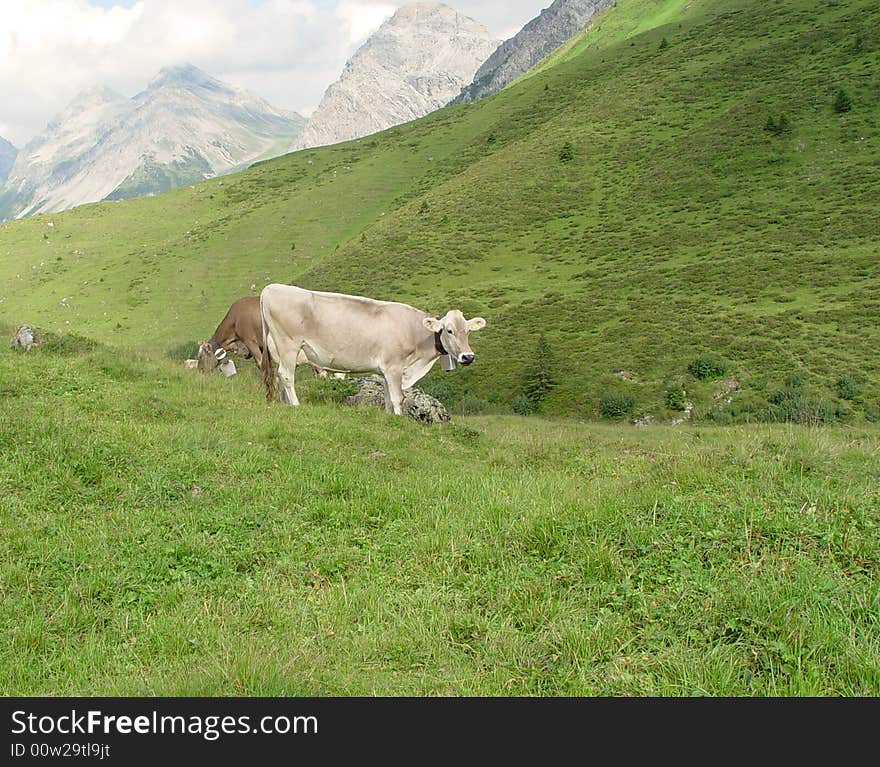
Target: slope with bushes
{"x": 634, "y": 199}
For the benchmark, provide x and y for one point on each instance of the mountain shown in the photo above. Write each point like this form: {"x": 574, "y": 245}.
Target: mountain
{"x": 413, "y": 64}
{"x": 543, "y": 34}
{"x": 637, "y": 199}
{"x": 185, "y": 126}
{"x": 7, "y": 158}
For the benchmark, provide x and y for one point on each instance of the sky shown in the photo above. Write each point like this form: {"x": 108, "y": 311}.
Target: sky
{"x": 285, "y": 51}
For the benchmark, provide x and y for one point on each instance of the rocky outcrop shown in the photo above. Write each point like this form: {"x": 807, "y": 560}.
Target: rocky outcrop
{"x": 25, "y": 338}
{"x": 417, "y": 404}
{"x": 540, "y": 37}
{"x": 416, "y": 61}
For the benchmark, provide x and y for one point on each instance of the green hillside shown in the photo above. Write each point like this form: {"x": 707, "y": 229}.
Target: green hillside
{"x": 682, "y": 183}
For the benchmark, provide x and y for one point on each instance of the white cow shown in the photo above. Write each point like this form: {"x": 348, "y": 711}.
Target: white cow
{"x": 353, "y": 334}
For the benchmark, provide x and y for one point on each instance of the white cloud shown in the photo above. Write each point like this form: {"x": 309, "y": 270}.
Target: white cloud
{"x": 363, "y": 18}
{"x": 287, "y": 51}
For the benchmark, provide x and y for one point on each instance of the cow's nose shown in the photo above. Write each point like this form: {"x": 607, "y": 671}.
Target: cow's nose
{"x": 466, "y": 359}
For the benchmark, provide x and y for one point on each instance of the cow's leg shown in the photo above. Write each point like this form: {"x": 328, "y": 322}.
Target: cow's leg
{"x": 287, "y": 356}
{"x": 389, "y": 408}
{"x": 286, "y": 390}
{"x": 255, "y": 350}
{"x": 393, "y": 391}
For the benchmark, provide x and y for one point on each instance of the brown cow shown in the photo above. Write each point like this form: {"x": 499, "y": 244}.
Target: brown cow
{"x": 241, "y": 327}
{"x": 241, "y": 332}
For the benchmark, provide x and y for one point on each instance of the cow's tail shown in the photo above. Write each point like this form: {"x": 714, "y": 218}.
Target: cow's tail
{"x": 267, "y": 376}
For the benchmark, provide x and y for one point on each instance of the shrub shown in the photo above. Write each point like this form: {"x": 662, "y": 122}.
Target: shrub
{"x": 566, "y": 153}
{"x": 792, "y": 404}
{"x": 442, "y": 387}
{"x": 707, "y": 367}
{"x": 676, "y": 396}
{"x": 843, "y": 412}
{"x": 617, "y": 404}
{"x": 470, "y": 404}
{"x": 522, "y": 405}
{"x": 720, "y": 417}
{"x": 847, "y": 388}
{"x": 65, "y": 343}
{"x": 777, "y": 127}
{"x": 794, "y": 381}
{"x": 842, "y": 102}
{"x": 664, "y": 43}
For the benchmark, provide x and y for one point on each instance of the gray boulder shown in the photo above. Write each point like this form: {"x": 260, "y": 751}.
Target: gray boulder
{"x": 24, "y": 339}
{"x": 417, "y": 404}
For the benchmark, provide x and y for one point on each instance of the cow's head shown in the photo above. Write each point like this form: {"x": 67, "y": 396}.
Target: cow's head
{"x": 207, "y": 360}
{"x": 453, "y": 329}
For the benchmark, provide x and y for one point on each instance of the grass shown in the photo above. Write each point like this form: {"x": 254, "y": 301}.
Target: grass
{"x": 678, "y": 228}
{"x": 168, "y": 533}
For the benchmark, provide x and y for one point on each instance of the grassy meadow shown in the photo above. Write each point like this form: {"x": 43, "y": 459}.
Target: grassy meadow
{"x": 167, "y": 533}
{"x": 670, "y": 214}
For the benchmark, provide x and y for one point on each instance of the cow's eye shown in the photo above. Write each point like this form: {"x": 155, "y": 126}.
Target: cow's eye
{"x": 450, "y": 331}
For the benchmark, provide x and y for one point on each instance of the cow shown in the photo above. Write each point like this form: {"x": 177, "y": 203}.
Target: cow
{"x": 240, "y": 332}
{"x": 355, "y": 334}
{"x": 239, "y": 328}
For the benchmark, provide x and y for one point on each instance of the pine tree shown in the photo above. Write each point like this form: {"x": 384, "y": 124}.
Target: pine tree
{"x": 842, "y": 101}
{"x": 539, "y": 377}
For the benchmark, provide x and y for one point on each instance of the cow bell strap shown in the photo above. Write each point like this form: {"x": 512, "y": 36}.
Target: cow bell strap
{"x": 219, "y": 351}
{"x": 438, "y": 344}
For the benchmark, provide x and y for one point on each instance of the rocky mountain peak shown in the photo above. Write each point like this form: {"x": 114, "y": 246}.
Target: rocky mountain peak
{"x": 184, "y": 76}
{"x": 538, "y": 38}
{"x": 183, "y": 127}
{"x": 413, "y": 64}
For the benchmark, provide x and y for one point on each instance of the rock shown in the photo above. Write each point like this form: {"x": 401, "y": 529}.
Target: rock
{"x": 626, "y": 375}
{"x": 686, "y": 414}
{"x": 414, "y": 63}
{"x": 191, "y": 364}
{"x": 725, "y": 388}
{"x": 24, "y": 339}
{"x": 543, "y": 34}
{"x": 645, "y": 420}
{"x": 417, "y": 404}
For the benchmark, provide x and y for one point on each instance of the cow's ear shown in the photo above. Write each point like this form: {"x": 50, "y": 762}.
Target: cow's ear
{"x": 476, "y": 323}
{"x": 432, "y": 324}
